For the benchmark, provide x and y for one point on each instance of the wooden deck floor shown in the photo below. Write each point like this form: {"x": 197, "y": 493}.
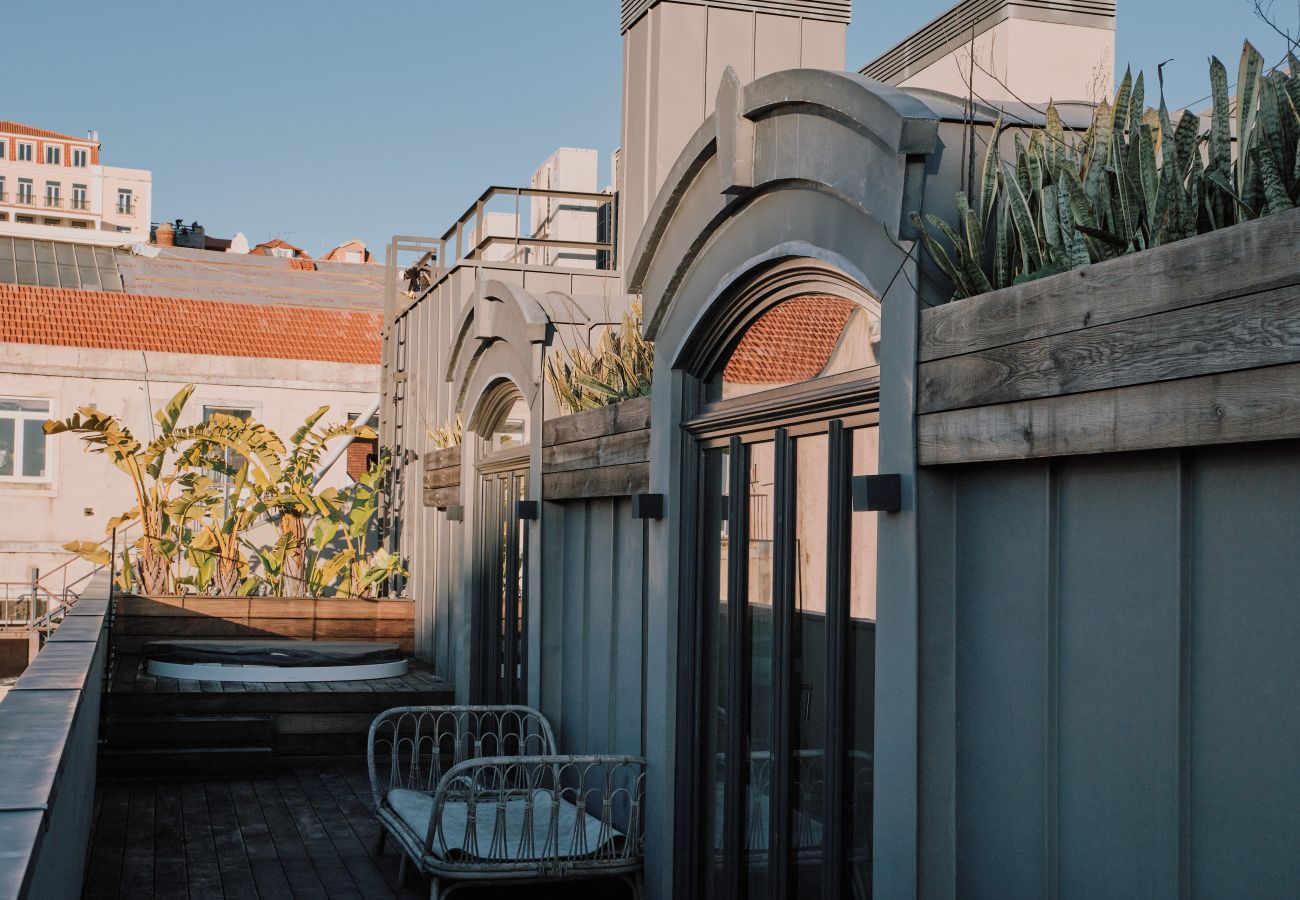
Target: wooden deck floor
{"x": 305, "y": 833}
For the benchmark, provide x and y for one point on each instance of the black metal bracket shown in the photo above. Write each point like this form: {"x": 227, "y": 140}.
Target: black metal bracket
{"x": 647, "y": 506}
{"x": 526, "y": 509}
{"x": 877, "y": 493}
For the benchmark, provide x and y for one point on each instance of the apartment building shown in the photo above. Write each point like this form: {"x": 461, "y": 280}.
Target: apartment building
{"x": 55, "y": 185}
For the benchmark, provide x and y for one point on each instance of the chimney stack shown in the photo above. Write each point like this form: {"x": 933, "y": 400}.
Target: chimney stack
{"x": 674, "y": 54}
{"x": 165, "y": 235}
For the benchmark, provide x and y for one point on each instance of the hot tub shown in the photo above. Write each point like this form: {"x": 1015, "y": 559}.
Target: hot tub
{"x": 272, "y": 660}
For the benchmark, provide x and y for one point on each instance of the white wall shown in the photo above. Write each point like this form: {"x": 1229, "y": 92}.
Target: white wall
{"x": 37, "y": 520}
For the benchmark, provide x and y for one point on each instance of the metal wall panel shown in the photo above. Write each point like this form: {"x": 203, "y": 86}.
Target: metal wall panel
{"x": 592, "y": 671}
{"x": 1000, "y": 661}
{"x": 1122, "y": 704}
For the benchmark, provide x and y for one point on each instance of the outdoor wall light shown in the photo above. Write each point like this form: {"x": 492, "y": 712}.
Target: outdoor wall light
{"x": 455, "y": 513}
{"x": 647, "y": 506}
{"x": 526, "y": 509}
{"x": 877, "y": 493}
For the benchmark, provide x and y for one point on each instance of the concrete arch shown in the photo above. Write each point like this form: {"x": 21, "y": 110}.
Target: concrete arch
{"x": 834, "y": 156}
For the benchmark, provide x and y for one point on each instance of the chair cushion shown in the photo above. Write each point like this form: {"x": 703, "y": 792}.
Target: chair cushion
{"x": 575, "y": 835}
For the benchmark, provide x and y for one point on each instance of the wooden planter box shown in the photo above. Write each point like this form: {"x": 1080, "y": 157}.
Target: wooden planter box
{"x": 598, "y": 453}
{"x": 139, "y": 619}
{"x": 442, "y": 478}
{"x": 1194, "y": 343}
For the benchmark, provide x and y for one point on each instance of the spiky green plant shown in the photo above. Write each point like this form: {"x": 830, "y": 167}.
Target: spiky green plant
{"x": 1133, "y": 180}
{"x": 449, "y": 434}
{"x": 618, "y": 368}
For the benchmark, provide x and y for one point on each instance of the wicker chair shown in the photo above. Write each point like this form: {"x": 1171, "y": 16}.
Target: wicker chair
{"x": 478, "y": 793}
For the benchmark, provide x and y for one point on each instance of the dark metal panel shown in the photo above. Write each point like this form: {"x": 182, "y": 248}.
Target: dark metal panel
{"x": 599, "y": 650}
{"x": 1000, "y": 674}
{"x": 1118, "y": 685}
{"x": 1245, "y": 671}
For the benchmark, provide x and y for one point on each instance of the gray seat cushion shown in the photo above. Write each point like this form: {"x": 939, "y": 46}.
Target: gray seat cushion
{"x": 520, "y": 840}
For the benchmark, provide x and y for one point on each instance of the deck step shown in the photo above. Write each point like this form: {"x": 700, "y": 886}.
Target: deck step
{"x": 192, "y": 731}
{"x": 135, "y": 762}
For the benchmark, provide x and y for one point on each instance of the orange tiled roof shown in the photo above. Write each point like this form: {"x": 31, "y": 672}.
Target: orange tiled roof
{"x": 66, "y": 318}
{"x": 261, "y": 249}
{"x": 791, "y": 342}
{"x": 8, "y": 127}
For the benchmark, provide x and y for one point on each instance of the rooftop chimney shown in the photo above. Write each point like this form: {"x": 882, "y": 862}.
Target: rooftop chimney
{"x": 674, "y": 54}
{"x": 165, "y": 235}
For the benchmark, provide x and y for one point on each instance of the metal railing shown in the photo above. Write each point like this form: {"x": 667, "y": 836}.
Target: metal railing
{"x": 125, "y": 209}
{"x": 25, "y": 199}
{"x": 53, "y": 202}
{"x": 79, "y": 203}
{"x": 30, "y": 607}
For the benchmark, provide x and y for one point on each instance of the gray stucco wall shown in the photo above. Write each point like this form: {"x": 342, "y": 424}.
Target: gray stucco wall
{"x": 1109, "y": 676}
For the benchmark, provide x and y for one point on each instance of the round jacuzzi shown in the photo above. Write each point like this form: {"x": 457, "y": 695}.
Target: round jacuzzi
{"x": 271, "y": 660}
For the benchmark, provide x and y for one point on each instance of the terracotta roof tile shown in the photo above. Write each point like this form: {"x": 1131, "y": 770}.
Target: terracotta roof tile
{"x": 789, "y": 343}
{"x": 8, "y": 127}
{"x": 67, "y": 318}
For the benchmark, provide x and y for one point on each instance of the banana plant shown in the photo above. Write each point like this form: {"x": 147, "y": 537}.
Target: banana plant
{"x": 1134, "y": 179}
{"x": 143, "y": 464}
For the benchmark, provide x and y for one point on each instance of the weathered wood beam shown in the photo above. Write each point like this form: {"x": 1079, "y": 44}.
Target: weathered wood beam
{"x": 607, "y": 481}
{"x": 630, "y": 415}
{"x": 1233, "y": 407}
{"x": 1239, "y": 333}
{"x": 607, "y": 450}
{"x": 1251, "y": 257}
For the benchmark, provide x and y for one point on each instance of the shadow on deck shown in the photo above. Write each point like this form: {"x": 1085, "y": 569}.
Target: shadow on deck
{"x": 301, "y": 833}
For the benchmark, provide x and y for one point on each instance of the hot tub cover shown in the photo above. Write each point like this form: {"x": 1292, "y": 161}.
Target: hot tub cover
{"x": 285, "y": 654}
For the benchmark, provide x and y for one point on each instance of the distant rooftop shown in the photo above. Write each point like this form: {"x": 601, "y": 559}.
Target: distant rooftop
{"x": 8, "y": 127}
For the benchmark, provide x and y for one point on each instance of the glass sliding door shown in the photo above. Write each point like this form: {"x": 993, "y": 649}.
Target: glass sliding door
{"x": 501, "y": 552}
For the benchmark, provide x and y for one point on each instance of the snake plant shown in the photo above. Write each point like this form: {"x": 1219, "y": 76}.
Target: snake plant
{"x": 1135, "y": 179}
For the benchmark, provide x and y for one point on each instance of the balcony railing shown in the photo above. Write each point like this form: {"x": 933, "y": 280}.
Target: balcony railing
{"x": 79, "y": 203}
{"x": 25, "y": 199}
{"x": 52, "y": 202}
{"x": 125, "y": 209}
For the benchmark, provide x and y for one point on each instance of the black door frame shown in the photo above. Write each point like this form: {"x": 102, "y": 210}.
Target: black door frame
{"x": 500, "y": 602}
{"x": 834, "y": 406}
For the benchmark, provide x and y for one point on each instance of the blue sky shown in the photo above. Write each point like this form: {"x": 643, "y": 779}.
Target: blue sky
{"x": 321, "y": 121}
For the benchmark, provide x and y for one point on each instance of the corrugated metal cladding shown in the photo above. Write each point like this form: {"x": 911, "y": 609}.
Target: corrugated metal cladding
{"x": 592, "y": 604}
{"x": 829, "y": 10}
{"x": 974, "y": 17}
{"x": 1123, "y": 674}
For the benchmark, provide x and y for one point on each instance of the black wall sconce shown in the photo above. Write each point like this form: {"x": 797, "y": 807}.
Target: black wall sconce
{"x": 647, "y": 506}
{"x": 526, "y": 509}
{"x": 877, "y": 493}
{"x": 455, "y": 513}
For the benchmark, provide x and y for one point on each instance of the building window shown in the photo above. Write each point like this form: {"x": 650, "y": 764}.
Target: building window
{"x": 52, "y": 191}
{"x": 77, "y": 224}
{"x": 53, "y": 155}
{"x": 79, "y": 197}
{"x": 26, "y": 194}
{"x": 124, "y": 205}
{"x": 4, "y": 147}
{"x": 229, "y": 461}
{"x": 23, "y": 454}
{"x": 27, "y": 220}
{"x": 4, "y": 198}
{"x": 26, "y": 151}
{"x": 281, "y": 251}
{"x": 123, "y": 229}
{"x": 79, "y": 157}
{"x": 53, "y": 221}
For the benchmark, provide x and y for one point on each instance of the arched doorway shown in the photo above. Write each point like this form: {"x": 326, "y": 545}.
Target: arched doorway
{"x": 499, "y": 657}
{"x": 782, "y": 405}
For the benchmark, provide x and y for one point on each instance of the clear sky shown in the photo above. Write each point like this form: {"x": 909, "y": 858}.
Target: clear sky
{"x": 321, "y": 121}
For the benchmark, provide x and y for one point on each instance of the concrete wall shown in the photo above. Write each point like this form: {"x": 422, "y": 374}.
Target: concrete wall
{"x": 1108, "y": 688}
{"x": 673, "y": 60}
{"x": 39, "y": 519}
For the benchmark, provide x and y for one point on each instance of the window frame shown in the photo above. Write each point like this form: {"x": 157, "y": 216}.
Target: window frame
{"x": 26, "y": 151}
{"x": 54, "y": 154}
{"x": 18, "y": 417}
{"x": 29, "y": 194}
{"x": 82, "y": 154}
{"x": 129, "y": 208}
